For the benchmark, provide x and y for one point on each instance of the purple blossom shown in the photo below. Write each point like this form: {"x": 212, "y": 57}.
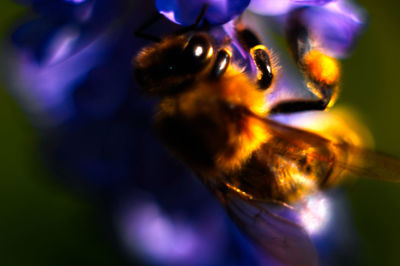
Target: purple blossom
{"x": 335, "y": 25}
{"x": 279, "y": 7}
{"x": 217, "y": 12}
{"x": 71, "y": 70}
{"x": 89, "y": 12}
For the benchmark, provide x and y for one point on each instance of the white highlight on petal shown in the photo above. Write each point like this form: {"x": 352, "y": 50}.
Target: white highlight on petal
{"x": 170, "y": 15}
{"x": 62, "y": 44}
{"x": 76, "y": 1}
{"x": 270, "y": 7}
{"x": 158, "y": 236}
{"x": 315, "y": 214}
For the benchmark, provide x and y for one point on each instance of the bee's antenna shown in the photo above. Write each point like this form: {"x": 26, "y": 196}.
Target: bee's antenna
{"x": 199, "y": 23}
{"x": 139, "y": 33}
{"x": 200, "y": 16}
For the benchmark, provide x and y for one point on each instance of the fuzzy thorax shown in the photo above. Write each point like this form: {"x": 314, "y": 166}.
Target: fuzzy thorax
{"x": 218, "y": 112}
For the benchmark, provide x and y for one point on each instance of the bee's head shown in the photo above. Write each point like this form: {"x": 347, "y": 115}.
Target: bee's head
{"x": 172, "y": 65}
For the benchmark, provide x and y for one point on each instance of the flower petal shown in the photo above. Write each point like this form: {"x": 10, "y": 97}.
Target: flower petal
{"x": 44, "y": 89}
{"x": 185, "y": 12}
{"x": 336, "y": 26}
{"x": 279, "y": 7}
{"x": 182, "y": 233}
{"x": 80, "y": 11}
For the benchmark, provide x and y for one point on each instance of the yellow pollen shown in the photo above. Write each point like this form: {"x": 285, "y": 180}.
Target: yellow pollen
{"x": 322, "y": 68}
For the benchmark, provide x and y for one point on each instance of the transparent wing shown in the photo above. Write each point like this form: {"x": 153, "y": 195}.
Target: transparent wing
{"x": 294, "y": 143}
{"x": 279, "y": 233}
{"x": 285, "y": 241}
{"x": 372, "y": 164}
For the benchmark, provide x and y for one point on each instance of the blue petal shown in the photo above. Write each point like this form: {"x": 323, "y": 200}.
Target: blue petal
{"x": 44, "y": 90}
{"x": 50, "y": 62}
{"x": 79, "y": 11}
{"x": 48, "y": 42}
{"x": 336, "y": 27}
{"x": 279, "y": 7}
{"x": 311, "y": 2}
{"x": 185, "y": 12}
{"x": 182, "y": 233}
{"x": 56, "y": 64}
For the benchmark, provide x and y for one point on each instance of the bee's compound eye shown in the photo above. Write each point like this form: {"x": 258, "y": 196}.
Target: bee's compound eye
{"x": 197, "y": 52}
{"x": 199, "y": 47}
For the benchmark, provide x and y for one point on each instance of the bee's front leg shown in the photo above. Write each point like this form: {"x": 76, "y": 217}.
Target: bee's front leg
{"x": 299, "y": 105}
{"x": 260, "y": 56}
{"x": 221, "y": 64}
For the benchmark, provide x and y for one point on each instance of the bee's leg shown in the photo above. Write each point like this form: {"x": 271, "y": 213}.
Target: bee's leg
{"x": 221, "y": 64}
{"x": 321, "y": 70}
{"x": 259, "y": 54}
{"x": 299, "y": 106}
{"x": 140, "y": 31}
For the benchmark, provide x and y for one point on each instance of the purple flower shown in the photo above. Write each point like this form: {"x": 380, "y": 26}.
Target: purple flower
{"x": 71, "y": 71}
{"x": 217, "y": 12}
{"x": 77, "y": 11}
{"x": 335, "y": 25}
{"x": 279, "y": 7}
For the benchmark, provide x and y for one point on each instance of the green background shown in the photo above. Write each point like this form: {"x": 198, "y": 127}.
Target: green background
{"x": 43, "y": 224}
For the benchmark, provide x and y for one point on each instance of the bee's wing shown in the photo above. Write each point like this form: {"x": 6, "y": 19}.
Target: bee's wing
{"x": 372, "y": 164}
{"x": 365, "y": 163}
{"x": 284, "y": 241}
{"x": 281, "y": 237}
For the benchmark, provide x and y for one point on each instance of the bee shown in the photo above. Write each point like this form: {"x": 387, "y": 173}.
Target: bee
{"x": 214, "y": 116}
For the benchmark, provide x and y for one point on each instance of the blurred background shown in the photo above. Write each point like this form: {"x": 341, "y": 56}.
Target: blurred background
{"x": 42, "y": 223}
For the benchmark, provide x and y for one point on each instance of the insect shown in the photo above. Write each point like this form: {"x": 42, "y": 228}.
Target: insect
{"x": 213, "y": 115}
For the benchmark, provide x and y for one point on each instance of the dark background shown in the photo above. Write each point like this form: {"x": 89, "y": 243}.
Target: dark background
{"x": 44, "y": 224}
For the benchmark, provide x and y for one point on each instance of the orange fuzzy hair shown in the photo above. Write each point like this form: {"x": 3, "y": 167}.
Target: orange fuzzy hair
{"x": 244, "y": 134}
